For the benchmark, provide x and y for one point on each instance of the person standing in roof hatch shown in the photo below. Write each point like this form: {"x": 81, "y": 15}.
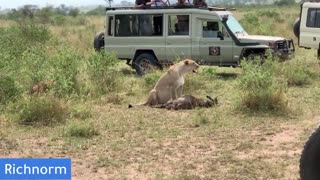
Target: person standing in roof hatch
{"x": 144, "y": 23}
{"x": 143, "y": 3}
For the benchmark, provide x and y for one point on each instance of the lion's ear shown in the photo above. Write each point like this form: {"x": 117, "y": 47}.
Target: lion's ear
{"x": 186, "y": 62}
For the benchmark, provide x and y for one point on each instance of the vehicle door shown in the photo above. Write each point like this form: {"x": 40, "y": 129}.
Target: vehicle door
{"x": 178, "y": 39}
{"x": 215, "y": 44}
{"x": 309, "y": 30}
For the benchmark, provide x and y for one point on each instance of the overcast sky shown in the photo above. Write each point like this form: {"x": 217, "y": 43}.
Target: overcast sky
{"x": 18, "y": 3}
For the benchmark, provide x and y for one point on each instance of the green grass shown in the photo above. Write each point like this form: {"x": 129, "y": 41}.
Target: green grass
{"x": 43, "y": 111}
{"x": 84, "y": 114}
{"x": 80, "y": 130}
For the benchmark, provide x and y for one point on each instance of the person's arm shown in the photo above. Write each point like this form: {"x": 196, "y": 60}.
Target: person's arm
{"x": 205, "y": 4}
{"x": 138, "y": 6}
{"x": 139, "y": 3}
{"x": 163, "y": 3}
{"x": 150, "y": 2}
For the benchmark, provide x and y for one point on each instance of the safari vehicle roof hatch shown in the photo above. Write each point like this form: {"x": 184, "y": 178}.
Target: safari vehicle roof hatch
{"x": 209, "y": 8}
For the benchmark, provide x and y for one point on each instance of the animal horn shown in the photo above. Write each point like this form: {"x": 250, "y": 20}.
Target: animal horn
{"x": 209, "y": 98}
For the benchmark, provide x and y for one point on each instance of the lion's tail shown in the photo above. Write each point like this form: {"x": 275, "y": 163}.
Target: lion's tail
{"x": 137, "y": 105}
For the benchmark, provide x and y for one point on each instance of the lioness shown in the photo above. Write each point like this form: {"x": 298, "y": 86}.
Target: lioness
{"x": 188, "y": 102}
{"x": 169, "y": 86}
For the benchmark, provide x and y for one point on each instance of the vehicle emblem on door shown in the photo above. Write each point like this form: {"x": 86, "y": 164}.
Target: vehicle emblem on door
{"x": 214, "y": 51}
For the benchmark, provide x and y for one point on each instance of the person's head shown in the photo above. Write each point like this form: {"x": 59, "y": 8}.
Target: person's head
{"x": 213, "y": 26}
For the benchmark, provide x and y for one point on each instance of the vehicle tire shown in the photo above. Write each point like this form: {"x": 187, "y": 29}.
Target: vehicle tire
{"x": 98, "y": 42}
{"x": 310, "y": 158}
{"x": 253, "y": 57}
{"x": 296, "y": 27}
{"x": 146, "y": 63}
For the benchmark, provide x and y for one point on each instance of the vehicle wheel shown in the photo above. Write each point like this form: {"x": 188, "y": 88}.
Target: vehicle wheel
{"x": 98, "y": 42}
{"x": 253, "y": 57}
{"x": 296, "y": 27}
{"x": 146, "y": 63}
{"x": 310, "y": 158}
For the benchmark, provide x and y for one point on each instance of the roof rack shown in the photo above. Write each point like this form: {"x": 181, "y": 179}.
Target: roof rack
{"x": 210, "y": 8}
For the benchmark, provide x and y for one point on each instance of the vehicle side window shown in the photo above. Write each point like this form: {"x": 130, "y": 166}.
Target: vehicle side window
{"x": 210, "y": 29}
{"x": 313, "y": 19}
{"x": 139, "y": 25}
{"x": 125, "y": 25}
{"x": 110, "y": 26}
{"x": 178, "y": 25}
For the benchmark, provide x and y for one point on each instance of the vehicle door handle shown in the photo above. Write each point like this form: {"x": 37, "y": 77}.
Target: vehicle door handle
{"x": 314, "y": 39}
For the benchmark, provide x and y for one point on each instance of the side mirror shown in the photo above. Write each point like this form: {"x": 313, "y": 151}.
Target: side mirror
{"x": 225, "y": 18}
{"x": 220, "y": 35}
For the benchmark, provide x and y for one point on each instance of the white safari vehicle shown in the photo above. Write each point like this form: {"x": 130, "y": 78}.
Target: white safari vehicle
{"x": 154, "y": 36}
{"x": 307, "y": 27}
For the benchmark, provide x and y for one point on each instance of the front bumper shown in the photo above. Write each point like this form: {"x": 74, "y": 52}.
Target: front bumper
{"x": 285, "y": 49}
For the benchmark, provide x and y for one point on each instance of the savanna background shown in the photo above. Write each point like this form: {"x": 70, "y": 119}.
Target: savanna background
{"x": 265, "y": 112}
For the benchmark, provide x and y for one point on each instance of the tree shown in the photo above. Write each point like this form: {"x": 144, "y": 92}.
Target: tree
{"x": 284, "y": 2}
{"x": 74, "y": 12}
{"x": 109, "y": 2}
{"x": 29, "y": 10}
{"x": 62, "y": 9}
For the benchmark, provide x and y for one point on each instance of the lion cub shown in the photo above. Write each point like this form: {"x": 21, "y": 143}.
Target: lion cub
{"x": 189, "y": 102}
{"x": 169, "y": 86}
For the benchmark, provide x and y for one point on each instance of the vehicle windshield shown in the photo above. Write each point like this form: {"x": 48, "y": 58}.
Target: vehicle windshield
{"x": 235, "y": 26}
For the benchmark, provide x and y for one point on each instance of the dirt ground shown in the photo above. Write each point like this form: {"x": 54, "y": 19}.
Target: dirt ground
{"x": 268, "y": 149}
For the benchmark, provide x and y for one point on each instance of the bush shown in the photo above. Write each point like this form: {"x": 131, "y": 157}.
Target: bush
{"x": 8, "y": 89}
{"x": 260, "y": 88}
{"x": 284, "y": 2}
{"x": 18, "y": 38}
{"x": 298, "y": 74}
{"x": 81, "y": 112}
{"x": 59, "y": 20}
{"x": 151, "y": 79}
{"x": 81, "y": 130}
{"x": 101, "y": 74}
{"x": 261, "y": 22}
{"x": 39, "y": 110}
{"x": 194, "y": 84}
{"x": 271, "y": 14}
{"x": 64, "y": 69}
{"x": 209, "y": 72}
{"x": 30, "y": 54}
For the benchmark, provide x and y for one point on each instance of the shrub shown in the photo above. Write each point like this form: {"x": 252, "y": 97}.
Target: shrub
{"x": 17, "y": 39}
{"x": 33, "y": 33}
{"x": 194, "y": 84}
{"x": 59, "y": 20}
{"x": 80, "y": 21}
{"x": 298, "y": 74}
{"x": 40, "y": 110}
{"x": 151, "y": 79}
{"x": 64, "y": 68}
{"x": 255, "y": 24}
{"x": 284, "y": 2}
{"x": 271, "y": 14}
{"x": 209, "y": 72}
{"x": 260, "y": 88}
{"x": 81, "y": 112}
{"x": 101, "y": 74}
{"x": 8, "y": 89}
{"x": 81, "y": 130}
